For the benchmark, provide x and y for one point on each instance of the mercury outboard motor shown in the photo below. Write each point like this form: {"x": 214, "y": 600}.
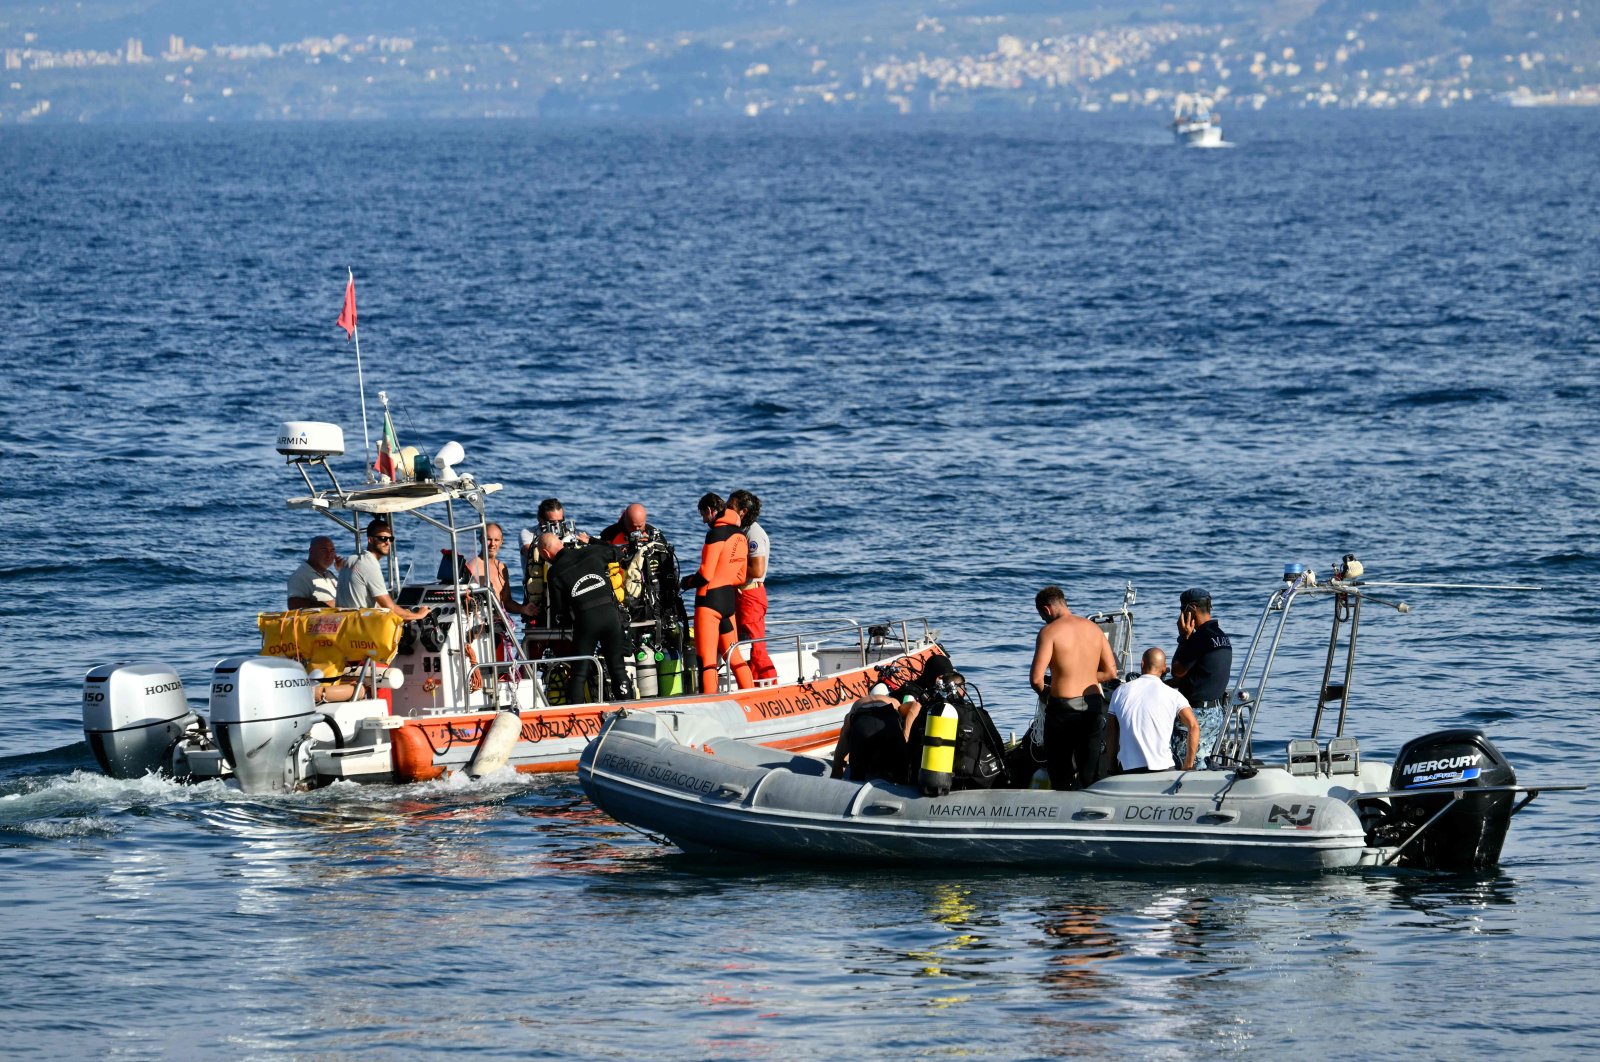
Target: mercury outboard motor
{"x": 261, "y": 708}
{"x": 1468, "y": 836}
{"x": 133, "y": 717}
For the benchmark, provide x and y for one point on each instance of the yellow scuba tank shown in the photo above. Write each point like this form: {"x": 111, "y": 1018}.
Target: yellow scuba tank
{"x": 535, "y": 571}
{"x": 939, "y": 751}
{"x": 614, "y": 570}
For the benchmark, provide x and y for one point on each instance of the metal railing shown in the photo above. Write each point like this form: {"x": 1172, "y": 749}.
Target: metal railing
{"x": 867, "y": 636}
{"x": 531, "y": 666}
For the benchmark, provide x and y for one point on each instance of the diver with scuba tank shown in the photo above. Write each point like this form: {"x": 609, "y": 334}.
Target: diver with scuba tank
{"x": 539, "y": 607}
{"x": 580, "y": 581}
{"x": 952, "y": 738}
{"x": 650, "y": 590}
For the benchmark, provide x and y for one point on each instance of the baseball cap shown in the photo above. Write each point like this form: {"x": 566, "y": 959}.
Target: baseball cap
{"x": 1195, "y": 596}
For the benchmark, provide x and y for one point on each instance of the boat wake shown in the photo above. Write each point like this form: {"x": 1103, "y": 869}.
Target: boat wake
{"x": 84, "y": 803}
{"x": 48, "y": 804}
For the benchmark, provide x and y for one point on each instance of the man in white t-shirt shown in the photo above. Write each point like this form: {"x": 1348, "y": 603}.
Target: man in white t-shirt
{"x": 1140, "y": 719}
{"x": 751, "y": 604}
{"x": 361, "y": 582}
{"x": 315, "y": 582}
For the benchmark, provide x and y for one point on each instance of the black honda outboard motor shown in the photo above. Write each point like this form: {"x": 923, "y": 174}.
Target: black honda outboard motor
{"x": 1468, "y": 836}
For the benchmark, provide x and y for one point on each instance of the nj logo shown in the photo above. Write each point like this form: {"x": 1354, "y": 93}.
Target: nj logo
{"x": 1292, "y": 815}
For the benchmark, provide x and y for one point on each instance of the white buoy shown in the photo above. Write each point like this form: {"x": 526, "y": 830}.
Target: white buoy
{"x": 494, "y": 751}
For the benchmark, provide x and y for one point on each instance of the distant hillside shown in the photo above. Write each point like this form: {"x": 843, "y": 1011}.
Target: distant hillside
{"x": 1409, "y": 24}
{"x": 182, "y": 60}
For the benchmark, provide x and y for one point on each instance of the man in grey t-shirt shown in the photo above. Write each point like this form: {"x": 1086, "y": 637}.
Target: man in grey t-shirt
{"x": 361, "y": 582}
{"x": 314, "y": 583}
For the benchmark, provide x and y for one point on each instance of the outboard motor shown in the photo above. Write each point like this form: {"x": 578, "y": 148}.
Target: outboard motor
{"x": 133, "y": 716}
{"x": 261, "y": 707}
{"x": 1468, "y": 836}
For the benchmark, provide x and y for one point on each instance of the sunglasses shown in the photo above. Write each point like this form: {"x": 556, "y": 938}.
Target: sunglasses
{"x": 383, "y": 538}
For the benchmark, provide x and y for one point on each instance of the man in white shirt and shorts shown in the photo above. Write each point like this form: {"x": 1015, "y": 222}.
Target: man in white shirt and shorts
{"x": 1140, "y": 719}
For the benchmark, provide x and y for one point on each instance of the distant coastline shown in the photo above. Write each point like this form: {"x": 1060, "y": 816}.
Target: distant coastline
{"x": 918, "y": 65}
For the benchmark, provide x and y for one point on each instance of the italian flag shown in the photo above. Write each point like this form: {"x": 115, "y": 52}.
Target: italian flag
{"x": 388, "y": 452}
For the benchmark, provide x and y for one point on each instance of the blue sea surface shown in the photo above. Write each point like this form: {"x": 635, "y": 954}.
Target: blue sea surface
{"x": 958, "y": 359}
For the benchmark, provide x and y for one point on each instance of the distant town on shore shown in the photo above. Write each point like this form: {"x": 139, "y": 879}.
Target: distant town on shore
{"x": 799, "y": 58}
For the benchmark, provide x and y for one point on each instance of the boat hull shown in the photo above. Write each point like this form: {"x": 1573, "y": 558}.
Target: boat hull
{"x": 723, "y": 796}
{"x": 1199, "y": 134}
{"x": 804, "y": 717}
{"x": 369, "y": 740}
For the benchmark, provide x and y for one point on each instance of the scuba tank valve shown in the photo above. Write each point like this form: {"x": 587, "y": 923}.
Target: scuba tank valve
{"x": 644, "y": 666}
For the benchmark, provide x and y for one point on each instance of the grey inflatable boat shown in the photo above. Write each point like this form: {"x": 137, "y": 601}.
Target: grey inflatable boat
{"x": 1446, "y": 802}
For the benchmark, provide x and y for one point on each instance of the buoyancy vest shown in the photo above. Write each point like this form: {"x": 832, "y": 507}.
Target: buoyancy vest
{"x": 877, "y": 748}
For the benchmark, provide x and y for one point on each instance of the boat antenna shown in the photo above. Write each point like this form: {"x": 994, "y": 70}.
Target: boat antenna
{"x": 1455, "y": 586}
{"x": 347, "y": 321}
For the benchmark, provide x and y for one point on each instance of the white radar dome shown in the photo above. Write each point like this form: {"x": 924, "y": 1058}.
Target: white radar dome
{"x": 310, "y": 438}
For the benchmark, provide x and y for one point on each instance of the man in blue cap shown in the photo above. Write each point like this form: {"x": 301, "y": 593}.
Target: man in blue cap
{"x": 1202, "y": 664}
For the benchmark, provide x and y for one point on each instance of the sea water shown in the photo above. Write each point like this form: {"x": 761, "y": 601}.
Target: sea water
{"x": 958, "y": 359}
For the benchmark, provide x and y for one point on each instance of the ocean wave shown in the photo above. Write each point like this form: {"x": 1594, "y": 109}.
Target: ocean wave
{"x": 1576, "y": 560}
{"x": 1446, "y": 396}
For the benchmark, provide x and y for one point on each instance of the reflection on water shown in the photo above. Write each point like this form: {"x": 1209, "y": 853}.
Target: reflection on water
{"x": 950, "y": 907}
{"x": 1082, "y": 945}
{"x": 1452, "y": 902}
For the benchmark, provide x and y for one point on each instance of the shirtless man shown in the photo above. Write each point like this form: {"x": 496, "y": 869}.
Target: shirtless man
{"x": 1077, "y": 658}
{"x": 494, "y": 535}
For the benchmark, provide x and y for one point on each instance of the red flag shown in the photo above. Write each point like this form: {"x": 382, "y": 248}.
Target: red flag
{"x": 347, "y": 316}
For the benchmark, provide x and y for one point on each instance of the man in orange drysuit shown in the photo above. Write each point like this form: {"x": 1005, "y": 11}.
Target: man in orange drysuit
{"x": 723, "y": 562}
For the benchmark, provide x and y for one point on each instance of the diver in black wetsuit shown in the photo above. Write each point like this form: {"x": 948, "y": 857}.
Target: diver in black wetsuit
{"x": 872, "y": 742}
{"x": 580, "y": 578}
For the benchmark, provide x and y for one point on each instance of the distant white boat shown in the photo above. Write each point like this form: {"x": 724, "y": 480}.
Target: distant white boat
{"x": 1194, "y": 123}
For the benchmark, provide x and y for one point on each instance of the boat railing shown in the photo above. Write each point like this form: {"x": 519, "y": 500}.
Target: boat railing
{"x": 868, "y": 636}
{"x": 1117, "y": 626}
{"x": 809, "y": 621}
{"x": 1232, "y": 746}
{"x": 498, "y": 672}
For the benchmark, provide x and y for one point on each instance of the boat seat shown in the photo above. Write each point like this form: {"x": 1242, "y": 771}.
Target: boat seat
{"x": 1305, "y": 756}
{"x": 1344, "y": 756}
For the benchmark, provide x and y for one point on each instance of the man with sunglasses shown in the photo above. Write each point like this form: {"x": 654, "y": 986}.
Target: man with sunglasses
{"x": 361, "y": 582}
